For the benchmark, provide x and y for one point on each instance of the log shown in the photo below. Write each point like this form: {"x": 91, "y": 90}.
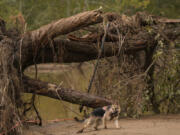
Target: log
{"x": 72, "y": 51}
{"x": 60, "y": 93}
{"x": 39, "y": 46}
{"x": 66, "y": 25}
{"x": 33, "y": 41}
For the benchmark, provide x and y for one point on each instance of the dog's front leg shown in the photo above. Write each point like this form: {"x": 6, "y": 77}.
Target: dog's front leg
{"x": 116, "y": 123}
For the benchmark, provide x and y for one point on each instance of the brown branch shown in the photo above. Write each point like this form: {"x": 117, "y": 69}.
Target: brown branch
{"x": 65, "y": 25}
{"x": 34, "y": 41}
{"x": 72, "y": 51}
{"x": 69, "y": 95}
{"x": 165, "y": 20}
{"x": 40, "y": 41}
{"x": 94, "y": 37}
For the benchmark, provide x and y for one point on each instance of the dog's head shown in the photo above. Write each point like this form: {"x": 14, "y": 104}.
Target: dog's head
{"x": 115, "y": 108}
{"x": 114, "y": 111}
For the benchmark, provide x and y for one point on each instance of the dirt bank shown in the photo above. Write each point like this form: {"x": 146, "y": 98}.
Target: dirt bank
{"x": 151, "y": 125}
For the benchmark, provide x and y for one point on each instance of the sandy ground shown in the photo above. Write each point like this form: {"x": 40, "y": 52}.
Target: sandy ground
{"x": 151, "y": 125}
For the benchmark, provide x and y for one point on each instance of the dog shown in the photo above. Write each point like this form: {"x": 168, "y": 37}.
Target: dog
{"x": 102, "y": 115}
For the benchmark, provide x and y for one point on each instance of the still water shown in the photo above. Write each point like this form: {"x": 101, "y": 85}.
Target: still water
{"x": 70, "y": 76}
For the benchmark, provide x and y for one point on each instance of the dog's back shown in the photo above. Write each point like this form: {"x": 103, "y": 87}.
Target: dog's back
{"x": 99, "y": 112}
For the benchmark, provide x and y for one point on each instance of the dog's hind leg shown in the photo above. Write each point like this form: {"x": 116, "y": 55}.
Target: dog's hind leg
{"x": 97, "y": 123}
{"x": 88, "y": 123}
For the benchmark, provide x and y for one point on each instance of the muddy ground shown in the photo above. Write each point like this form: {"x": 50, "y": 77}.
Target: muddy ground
{"x": 151, "y": 125}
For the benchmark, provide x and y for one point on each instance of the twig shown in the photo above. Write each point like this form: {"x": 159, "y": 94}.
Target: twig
{"x": 62, "y": 102}
{"x": 136, "y": 76}
{"x": 37, "y": 113}
{"x": 97, "y": 63}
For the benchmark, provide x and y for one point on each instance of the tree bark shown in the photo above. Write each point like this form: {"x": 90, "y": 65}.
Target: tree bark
{"x": 66, "y": 25}
{"x": 10, "y": 88}
{"x": 60, "y": 93}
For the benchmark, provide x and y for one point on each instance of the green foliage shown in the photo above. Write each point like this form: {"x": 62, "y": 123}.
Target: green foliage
{"x": 8, "y": 8}
{"x": 167, "y": 77}
{"x": 167, "y": 8}
{"x": 39, "y": 12}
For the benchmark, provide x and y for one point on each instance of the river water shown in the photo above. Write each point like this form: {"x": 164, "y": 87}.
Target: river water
{"x": 69, "y": 76}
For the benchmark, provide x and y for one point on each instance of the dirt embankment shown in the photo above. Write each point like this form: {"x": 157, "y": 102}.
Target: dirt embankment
{"x": 153, "y": 125}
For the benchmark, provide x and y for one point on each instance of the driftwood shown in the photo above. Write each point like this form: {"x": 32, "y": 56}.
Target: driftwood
{"x": 60, "y": 93}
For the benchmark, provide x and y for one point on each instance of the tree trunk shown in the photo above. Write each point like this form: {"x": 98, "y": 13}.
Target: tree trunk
{"x": 9, "y": 88}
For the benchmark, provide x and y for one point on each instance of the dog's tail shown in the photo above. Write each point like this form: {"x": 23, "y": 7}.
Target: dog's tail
{"x": 78, "y": 120}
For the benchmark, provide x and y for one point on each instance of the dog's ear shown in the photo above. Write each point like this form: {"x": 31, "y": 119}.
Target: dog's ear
{"x": 115, "y": 103}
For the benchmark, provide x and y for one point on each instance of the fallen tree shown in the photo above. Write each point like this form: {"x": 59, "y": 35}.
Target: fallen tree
{"x": 69, "y": 95}
{"x": 18, "y": 51}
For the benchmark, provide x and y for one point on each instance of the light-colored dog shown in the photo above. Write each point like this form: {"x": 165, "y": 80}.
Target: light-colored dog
{"x": 102, "y": 115}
